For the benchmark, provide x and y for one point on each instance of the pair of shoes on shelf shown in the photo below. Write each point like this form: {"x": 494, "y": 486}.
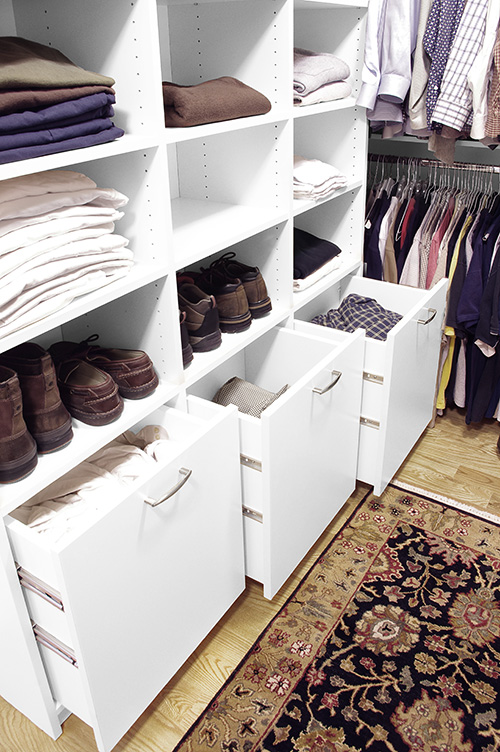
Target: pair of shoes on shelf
{"x": 94, "y": 380}
{"x": 222, "y": 298}
{"x": 33, "y": 418}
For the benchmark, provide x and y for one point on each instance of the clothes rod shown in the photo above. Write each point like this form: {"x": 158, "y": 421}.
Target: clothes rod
{"x": 424, "y": 162}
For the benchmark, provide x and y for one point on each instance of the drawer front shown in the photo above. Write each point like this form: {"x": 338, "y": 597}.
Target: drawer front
{"x": 399, "y": 374}
{"x": 407, "y": 390}
{"x": 310, "y": 442}
{"x": 144, "y": 585}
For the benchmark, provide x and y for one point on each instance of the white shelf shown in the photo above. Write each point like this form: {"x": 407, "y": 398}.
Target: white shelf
{"x": 177, "y": 135}
{"x": 124, "y": 145}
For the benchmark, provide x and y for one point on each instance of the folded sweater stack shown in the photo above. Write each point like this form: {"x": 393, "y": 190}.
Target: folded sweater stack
{"x": 48, "y": 104}
{"x": 57, "y": 242}
{"x": 313, "y": 258}
{"x": 319, "y": 77}
{"x": 313, "y": 179}
{"x": 222, "y": 98}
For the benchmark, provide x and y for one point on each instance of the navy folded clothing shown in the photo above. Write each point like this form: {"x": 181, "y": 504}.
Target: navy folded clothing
{"x": 59, "y": 115}
{"x": 20, "y": 100}
{"x": 52, "y": 135}
{"x": 40, "y": 150}
{"x": 310, "y": 253}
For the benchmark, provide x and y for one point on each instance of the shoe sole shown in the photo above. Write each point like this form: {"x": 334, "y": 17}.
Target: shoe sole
{"x": 232, "y": 326}
{"x": 52, "y": 441}
{"x": 11, "y": 472}
{"x": 139, "y": 392}
{"x": 204, "y": 344}
{"x": 260, "y": 309}
{"x": 187, "y": 356}
{"x": 96, "y": 419}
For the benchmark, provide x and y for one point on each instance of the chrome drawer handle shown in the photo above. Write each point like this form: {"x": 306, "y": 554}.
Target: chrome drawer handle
{"x": 336, "y": 375}
{"x": 186, "y": 475}
{"x": 428, "y": 320}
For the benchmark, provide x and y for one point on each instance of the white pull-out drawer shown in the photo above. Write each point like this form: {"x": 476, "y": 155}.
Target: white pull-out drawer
{"x": 299, "y": 457}
{"x": 399, "y": 379}
{"x": 142, "y": 585}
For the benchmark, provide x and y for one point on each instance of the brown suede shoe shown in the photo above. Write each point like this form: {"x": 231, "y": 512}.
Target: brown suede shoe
{"x": 90, "y": 394}
{"x": 47, "y": 419}
{"x": 132, "y": 370}
{"x": 259, "y": 301}
{"x": 17, "y": 447}
{"x": 201, "y": 318}
{"x": 230, "y": 296}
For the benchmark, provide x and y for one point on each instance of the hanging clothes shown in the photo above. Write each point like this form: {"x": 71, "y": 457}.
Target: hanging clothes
{"x": 432, "y": 226}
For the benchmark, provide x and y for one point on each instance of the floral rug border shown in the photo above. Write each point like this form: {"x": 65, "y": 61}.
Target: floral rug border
{"x": 483, "y": 514}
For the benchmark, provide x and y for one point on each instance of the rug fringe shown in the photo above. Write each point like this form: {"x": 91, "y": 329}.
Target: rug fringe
{"x": 446, "y": 500}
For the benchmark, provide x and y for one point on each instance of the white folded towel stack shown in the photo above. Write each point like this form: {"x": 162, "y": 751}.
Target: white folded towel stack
{"x": 57, "y": 242}
{"x": 319, "y": 77}
{"x": 313, "y": 179}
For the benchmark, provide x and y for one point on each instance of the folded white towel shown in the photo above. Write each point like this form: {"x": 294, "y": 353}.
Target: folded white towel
{"x": 313, "y": 178}
{"x": 39, "y": 183}
{"x": 36, "y": 205}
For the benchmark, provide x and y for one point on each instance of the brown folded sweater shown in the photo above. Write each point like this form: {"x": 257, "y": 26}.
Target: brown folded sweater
{"x": 223, "y": 98}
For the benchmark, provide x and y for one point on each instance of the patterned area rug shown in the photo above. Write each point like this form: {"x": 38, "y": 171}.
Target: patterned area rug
{"x": 391, "y": 643}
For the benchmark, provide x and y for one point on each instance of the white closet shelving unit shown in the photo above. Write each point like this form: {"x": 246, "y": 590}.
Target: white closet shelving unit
{"x": 140, "y": 586}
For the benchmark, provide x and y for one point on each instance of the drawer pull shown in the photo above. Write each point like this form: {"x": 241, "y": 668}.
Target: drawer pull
{"x": 336, "y": 376}
{"x": 186, "y": 475}
{"x": 32, "y": 583}
{"x": 52, "y": 643}
{"x": 432, "y": 312}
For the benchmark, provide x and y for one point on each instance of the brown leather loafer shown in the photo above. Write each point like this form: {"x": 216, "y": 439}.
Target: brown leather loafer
{"x": 132, "y": 370}
{"x": 17, "y": 447}
{"x": 89, "y": 394}
{"x": 47, "y": 419}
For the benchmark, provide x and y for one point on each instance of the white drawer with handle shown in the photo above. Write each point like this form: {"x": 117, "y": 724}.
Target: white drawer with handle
{"x": 142, "y": 582}
{"x": 298, "y": 459}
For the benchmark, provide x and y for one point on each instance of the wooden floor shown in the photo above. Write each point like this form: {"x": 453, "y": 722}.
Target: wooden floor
{"x": 451, "y": 459}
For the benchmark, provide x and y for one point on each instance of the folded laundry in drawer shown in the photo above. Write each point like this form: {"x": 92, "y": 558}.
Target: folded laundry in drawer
{"x": 248, "y": 398}
{"x": 88, "y": 487}
{"x": 359, "y": 312}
